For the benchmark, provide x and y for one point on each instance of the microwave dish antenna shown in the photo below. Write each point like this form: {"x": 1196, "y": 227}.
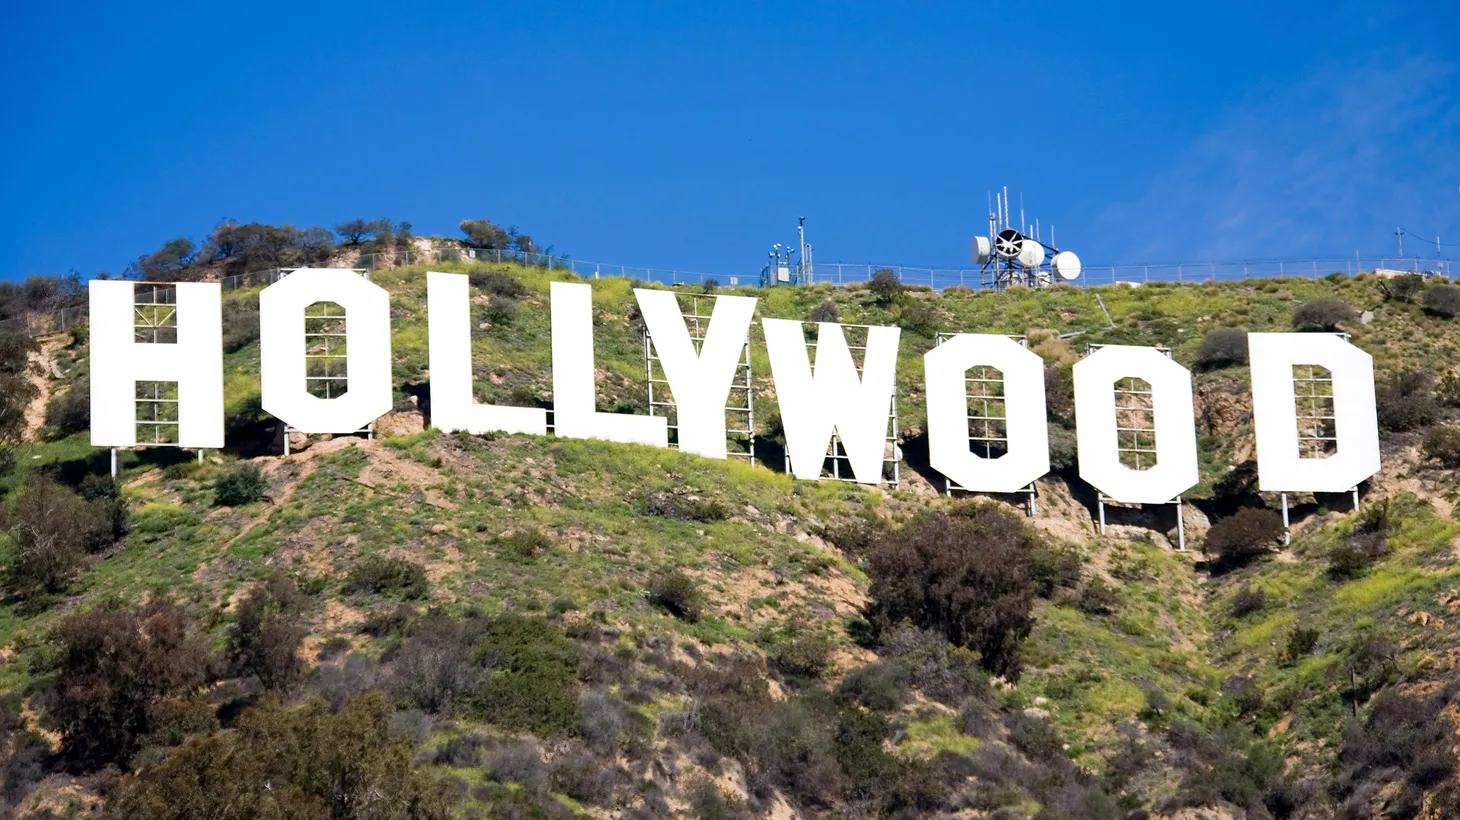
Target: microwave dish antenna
{"x": 1066, "y": 265}
{"x": 1031, "y": 254}
{"x": 980, "y": 250}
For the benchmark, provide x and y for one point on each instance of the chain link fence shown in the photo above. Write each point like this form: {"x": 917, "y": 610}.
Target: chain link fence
{"x": 835, "y": 273}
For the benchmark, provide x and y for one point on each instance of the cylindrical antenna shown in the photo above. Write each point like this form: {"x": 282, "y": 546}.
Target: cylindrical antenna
{"x": 1006, "y": 206}
{"x": 1023, "y": 226}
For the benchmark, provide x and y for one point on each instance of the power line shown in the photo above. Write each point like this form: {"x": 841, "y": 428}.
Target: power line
{"x": 1430, "y": 240}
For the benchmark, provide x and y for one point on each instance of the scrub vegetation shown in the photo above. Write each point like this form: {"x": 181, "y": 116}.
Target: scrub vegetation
{"x": 432, "y": 625}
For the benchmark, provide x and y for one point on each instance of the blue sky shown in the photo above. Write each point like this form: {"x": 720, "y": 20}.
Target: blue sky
{"x": 691, "y": 136}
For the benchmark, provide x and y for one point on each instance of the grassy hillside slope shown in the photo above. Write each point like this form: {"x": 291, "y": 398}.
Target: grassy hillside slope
{"x": 716, "y": 614}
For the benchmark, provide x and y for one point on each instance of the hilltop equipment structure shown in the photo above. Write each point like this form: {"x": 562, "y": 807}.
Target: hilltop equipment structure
{"x": 1017, "y": 256}
{"x": 781, "y": 270}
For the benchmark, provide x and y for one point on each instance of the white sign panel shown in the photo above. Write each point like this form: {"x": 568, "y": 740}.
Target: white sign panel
{"x": 448, "y": 299}
{"x": 1280, "y": 465}
{"x": 119, "y": 361}
{"x": 833, "y": 399}
{"x": 574, "y": 413}
{"x": 699, "y": 381}
{"x": 1098, "y": 441}
{"x": 282, "y": 345}
{"x": 945, "y": 368}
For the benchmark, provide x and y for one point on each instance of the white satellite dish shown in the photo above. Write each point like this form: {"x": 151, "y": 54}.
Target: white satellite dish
{"x": 1031, "y": 254}
{"x": 1067, "y": 265}
{"x": 980, "y": 250}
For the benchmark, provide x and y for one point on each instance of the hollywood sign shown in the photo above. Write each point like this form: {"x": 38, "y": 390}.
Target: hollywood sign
{"x": 816, "y": 402}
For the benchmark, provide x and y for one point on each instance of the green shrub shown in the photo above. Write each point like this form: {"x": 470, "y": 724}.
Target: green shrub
{"x": 501, "y": 310}
{"x": 886, "y": 288}
{"x": 918, "y": 316}
{"x": 1322, "y": 315}
{"x": 967, "y": 574}
{"x": 244, "y": 484}
{"x": 389, "y": 576}
{"x": 881, "y": 687}
{"x": 678, "y": 594}
{"x": 1300, "y": 642}
{"x": 1442, "y": 300}
{"x": 525, "y": 542}
{"x": 1054, "y": 567}
{"x": 1097, "y": 598}
{"x": 804, "y": 656}
{"x": 69, "y": 411}
{"x": 1406, "y": 401}
{"x": 825, "y": 312}
{"x": 532, "y": 680}
{"x": 1404, "y": 287}
{"x": 302, "y": 763}
{"x": 1221, "y": 348}
{"x": 1447, "y": 390}
{"x": 1248, "y": 600}
{"x": 52, "y": 529}
{"x": 1238, "y": 538}
{"x": 267, "y": 631}
{"x": 111, "y": 665}
{"x": 684, "y": 508}
{"x": 240, "y": 323}
{"x": 497, "y": 283}
{"x": 1442, "y": 444}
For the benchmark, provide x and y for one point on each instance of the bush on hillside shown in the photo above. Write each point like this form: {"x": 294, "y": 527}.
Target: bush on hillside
{"x": 378, "y": 575}
{"x": 533, "y": 680}
{"x": 1322, "y": 315}
{"x": 267, "y": 631}
{"x": 804, "y": 656}
{"x": 684, "y": 507}
{"x": 244, "y": 484}
{"x": 69, "y": 411}
{"x": 1447, "y": 391}
{"x": 1097, "y": 597}
{"x": 886, "y": 288}
{"x": 433, "y": 670}
{"x": 497, "y": 283}
{"x": 111, "y": 666}
{"x": 299, "y": 763}
{"x": 240, "y": 323}
{"x": 1402, "y": 288}
{"x": 1220, "y": 348}
{"x": 1248, "y": 600}
{"x": 16, "y": 391}
{"x": 1238, "y": 538}
{"x": 1442, "y": 444}
{"x": 1403, "y": 748}
{"x": 1442, "y": 300}
{"x": 500, "y": 311}
{"x": 918, "y": 316}
{"x": 51, "y": 530}
{"x": 967, "y": 574}
{"x": 1406, "y": 401}
{"x": 825, "y": 312}
{"x": 678, "y": 594}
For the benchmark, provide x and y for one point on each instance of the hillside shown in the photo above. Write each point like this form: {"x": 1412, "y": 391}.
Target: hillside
{"x": 515, "y": 626}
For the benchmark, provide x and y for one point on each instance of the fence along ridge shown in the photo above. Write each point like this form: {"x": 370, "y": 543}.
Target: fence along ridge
{"x": 835, "y": 273}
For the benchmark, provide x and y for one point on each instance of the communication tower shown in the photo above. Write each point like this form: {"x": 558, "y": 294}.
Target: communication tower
{"x": 1011, "y": 255}
{"x": 781, "y": 270}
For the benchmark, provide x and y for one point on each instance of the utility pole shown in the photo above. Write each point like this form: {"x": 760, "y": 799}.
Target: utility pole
{"x": 1399, "y": 234}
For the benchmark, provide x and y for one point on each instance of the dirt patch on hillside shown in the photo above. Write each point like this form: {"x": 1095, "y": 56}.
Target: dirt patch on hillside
{"x": 42, "y": 370}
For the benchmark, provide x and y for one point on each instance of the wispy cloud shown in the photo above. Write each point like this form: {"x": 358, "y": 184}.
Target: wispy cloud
{"x": 1326, "y": 167}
